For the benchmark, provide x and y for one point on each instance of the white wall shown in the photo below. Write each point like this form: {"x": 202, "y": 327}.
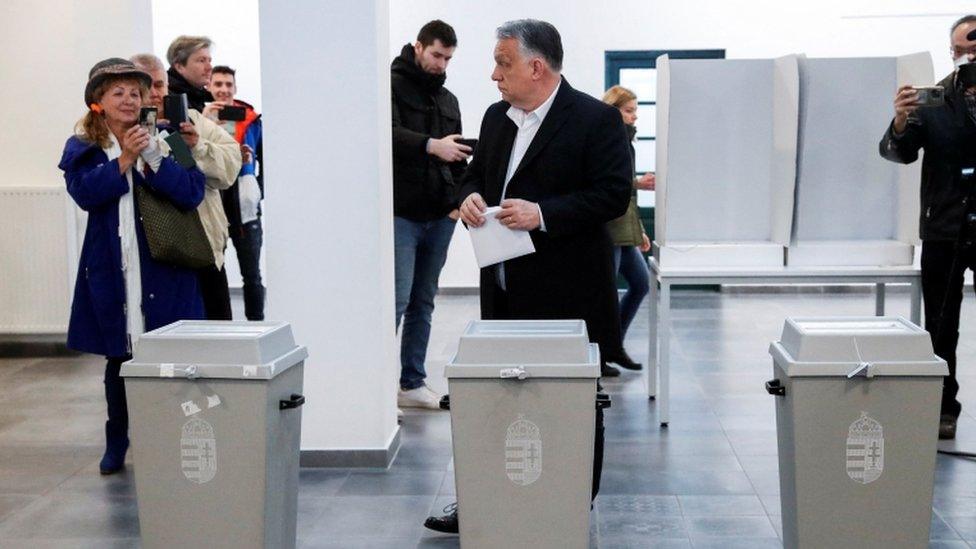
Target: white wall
{"x": 758, "y": 28}
{"x": 46, "y": 51}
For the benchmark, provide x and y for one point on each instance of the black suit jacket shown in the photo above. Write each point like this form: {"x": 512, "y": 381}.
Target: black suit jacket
{"x": 578, "y": 169}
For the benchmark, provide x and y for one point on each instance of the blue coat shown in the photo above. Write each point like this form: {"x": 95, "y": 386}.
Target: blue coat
{"x": 98, "y": 323}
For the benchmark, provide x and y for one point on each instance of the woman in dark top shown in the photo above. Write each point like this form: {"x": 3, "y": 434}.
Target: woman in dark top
{"x": 627, "y": 231}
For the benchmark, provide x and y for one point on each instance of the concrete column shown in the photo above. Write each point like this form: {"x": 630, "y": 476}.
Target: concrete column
{"x": 329, "y": 217}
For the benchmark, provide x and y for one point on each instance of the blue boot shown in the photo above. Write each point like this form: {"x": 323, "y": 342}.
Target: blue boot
{"x": 117, "y": 426}
{"x": 116, "y": 445}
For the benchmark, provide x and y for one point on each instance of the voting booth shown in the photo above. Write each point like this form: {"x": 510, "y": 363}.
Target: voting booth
{"x": 853, "y": 207}
{"x": 726, "y": 161}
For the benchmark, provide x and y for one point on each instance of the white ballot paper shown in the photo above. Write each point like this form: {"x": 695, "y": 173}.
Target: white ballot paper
{"x": 494, "y": 242}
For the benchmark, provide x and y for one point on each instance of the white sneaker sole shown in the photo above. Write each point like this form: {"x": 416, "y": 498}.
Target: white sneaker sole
{"x": 412, "y": 403}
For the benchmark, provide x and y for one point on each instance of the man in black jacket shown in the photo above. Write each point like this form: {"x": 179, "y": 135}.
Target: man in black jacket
{"x": 557, "y": 162}
{"x": 189, "y": 69}
{"x": 948, "y": 135}
{"x": 428, "y": 162}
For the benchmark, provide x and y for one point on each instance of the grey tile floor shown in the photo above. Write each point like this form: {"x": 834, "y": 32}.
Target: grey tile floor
{"x": 710, "y": 480}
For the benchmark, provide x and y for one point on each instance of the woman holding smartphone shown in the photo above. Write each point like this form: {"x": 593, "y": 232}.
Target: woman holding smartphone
{"x": 121, "y": 291}
{"x": 627, "y": 231}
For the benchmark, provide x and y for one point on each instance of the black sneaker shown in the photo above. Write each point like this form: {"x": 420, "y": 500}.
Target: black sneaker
{"x": 624, "y": 361}
{"x": 447, "y": 523}
{"x": 947, "y": 427}
{"x": 608, "y": 371}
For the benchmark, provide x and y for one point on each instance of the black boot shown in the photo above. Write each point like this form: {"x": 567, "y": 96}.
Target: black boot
{"x": 623, "y": 360}
{"x": 116, "y": 445}
{"x": 447, "y": 523}
{"x": 117, "y": 426}
{"x": 608, "y": 371}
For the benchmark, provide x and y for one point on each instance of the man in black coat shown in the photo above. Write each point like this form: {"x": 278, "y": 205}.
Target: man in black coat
{"x": 428, "y": 162}
{"x": 557, "y": 161}
{"x": 947, "y": 133}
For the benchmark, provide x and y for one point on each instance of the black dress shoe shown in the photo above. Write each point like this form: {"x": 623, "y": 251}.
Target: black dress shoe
{"x": 608, "y": 371}
{"x": 947, "y": 427}
{"x": 624, "y": 361}
{"x": 447, "y": 523}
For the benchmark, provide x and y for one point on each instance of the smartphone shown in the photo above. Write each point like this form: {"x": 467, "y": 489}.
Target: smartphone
{"x": 468, "y": 142}
{"x": 930, "y": 96}
{"x": 147, "y": 119}
{"x": 175, "y": 107}
{"x": 231, "y": 113}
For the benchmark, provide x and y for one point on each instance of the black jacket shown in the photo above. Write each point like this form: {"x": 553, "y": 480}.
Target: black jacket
{"x": 948, "y": 136}
{"x": 196, "y": 97}
{"x": 578, "y": 169}
{"x": 423, "y": 185}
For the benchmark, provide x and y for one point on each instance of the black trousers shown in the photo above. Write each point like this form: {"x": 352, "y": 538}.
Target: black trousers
{"x": 215, "y": 293}
{"x": 943, "y": 269}
{"x": 501, "y": 313}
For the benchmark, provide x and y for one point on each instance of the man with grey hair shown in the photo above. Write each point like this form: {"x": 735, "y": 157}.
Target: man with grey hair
{"x": 189, "y": 69}
{"x": 218, "y": 156}
{"x": 557, "y": 162}
{"x": 947, "y": 133}
{"x": 552, "y": 159}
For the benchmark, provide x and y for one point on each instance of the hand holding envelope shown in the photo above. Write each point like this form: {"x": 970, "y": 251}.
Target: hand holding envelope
{"x": 494, "y": 242}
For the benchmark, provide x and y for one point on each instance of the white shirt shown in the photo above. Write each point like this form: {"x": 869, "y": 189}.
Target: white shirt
{"x": 528, "y": 124}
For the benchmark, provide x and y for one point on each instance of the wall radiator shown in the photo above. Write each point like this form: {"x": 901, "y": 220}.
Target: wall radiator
{"x": 38, "y": 259}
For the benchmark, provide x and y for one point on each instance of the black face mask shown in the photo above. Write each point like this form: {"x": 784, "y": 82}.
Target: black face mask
{"x": 967, "y": 75}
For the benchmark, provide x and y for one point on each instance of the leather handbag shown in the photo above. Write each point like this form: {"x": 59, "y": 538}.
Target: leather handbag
{"x": 175, "y": 237}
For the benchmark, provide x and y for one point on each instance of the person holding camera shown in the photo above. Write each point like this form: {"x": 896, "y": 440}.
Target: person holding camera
{"x": 428, "y": 162}
{"x": 943, "y": 123}
{"x": 242, "y": 201}
{"x": 121, "y": 291}
{"x": 219, "y": 158}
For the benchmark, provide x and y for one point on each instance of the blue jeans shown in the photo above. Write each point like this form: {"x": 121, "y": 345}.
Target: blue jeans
{"x": 629, "y": 262}
{"x": 247, "y": 241}
{"x": 420, "y": 252}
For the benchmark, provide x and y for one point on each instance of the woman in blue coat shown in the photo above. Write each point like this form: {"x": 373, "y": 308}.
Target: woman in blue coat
{"x": 121, "y": 291}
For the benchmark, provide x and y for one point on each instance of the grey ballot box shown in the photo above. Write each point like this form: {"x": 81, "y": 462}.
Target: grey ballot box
{"x": 523, "y": 424}
{"x": 215, "y": 425}
{"x": 857, "y": 417}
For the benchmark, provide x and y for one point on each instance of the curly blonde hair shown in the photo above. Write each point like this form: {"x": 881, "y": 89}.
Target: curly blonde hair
{"x": 92, "y": 127}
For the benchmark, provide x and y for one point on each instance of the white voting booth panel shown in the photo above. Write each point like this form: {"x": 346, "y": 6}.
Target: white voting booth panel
{"x": 726, "y": 161}
{"x": 853, "y": 208}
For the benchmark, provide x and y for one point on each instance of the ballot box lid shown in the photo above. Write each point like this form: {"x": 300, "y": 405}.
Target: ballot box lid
{"x": 862, "y": 346}
{"x": 542, "y": 348}
{"x": 216, "y": 349}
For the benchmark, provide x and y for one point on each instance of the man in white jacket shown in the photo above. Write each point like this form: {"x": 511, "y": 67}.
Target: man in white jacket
{"x": 218, "y": 156}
